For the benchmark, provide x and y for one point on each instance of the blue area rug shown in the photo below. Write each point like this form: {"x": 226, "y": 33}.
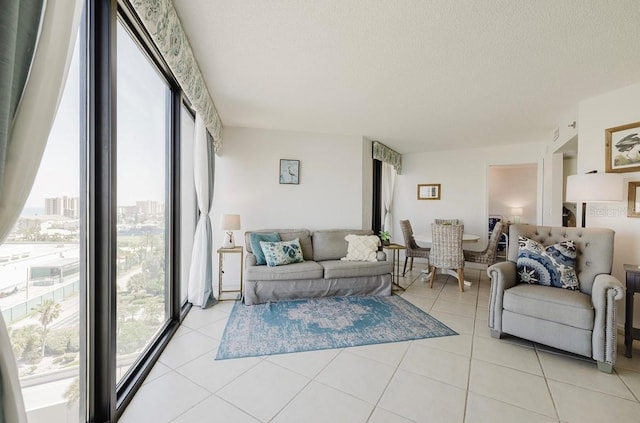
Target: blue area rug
{"x": 317, "y": 324}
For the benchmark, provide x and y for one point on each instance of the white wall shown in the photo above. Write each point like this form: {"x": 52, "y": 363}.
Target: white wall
{"x": 595, "y": 115}
{"x": 463, "y": 175}
{"x": 333, "y": 175}
{"x": 514, "y": 186}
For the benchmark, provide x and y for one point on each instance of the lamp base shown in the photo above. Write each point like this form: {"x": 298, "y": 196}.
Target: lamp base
{"x": 228, "y": 241}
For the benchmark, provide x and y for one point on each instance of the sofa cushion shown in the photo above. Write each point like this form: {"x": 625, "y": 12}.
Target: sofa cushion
{"x": 254, "y": 240}
{"x": 331, "y": 245}
{"x": 571, "y": 308}
{"x": 304, "y": 235}
{"x": 282, "y": 252}
{"x": 362, "y": 247}
{"x": 295, "y": 271}
{"x": 551, "y": 266}
{"x": 351, "y": 269}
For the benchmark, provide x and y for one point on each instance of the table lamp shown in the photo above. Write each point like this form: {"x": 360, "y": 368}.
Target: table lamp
{"x": 229, "y": 223}
{"x": 516, "y": 212}
{"x": 594, "y": 187}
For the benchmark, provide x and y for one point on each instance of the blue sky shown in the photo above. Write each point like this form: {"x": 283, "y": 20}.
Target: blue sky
{"x": 141, "y": 133}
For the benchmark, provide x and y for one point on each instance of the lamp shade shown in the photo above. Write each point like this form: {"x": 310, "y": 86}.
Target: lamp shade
{"x": 517, "y": 211}
{"x": 230, "y": 222}
{"x": 595, "y": 187}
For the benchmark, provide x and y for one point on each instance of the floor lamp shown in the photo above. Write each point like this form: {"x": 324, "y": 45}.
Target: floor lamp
{"x": 594, "y": 187}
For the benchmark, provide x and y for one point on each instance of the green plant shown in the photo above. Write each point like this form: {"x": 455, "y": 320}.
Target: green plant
{"x": 384, "y": 235}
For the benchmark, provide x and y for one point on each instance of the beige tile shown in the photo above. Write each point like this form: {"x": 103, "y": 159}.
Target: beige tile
{"x": 390, "y": 353}
{"x": 577, "y": 404}
{"x": 318, "y": 403}
{"x": 186, "y": 348}
{"x": 214, "y": 409}
{"x": 631, "y": 379}
{"x": 421, "y": 289}
{"x": 582, "y": 373}
{"x": 214, "y": 330}
{"x": 214, "y": 374}
{"x": 198, "y": 317}
{"x": 423, "y": 303}
{"x": 263, "y": 390}
{"x": 361, "y": 377}
{"x": 457, "y": 344}
{"x": 455, "y": 296}
{"x": 437, "y": 364}
{"x": 506, "y": 354}
{"x": 163, "y": 399}
{"x": 460, "y": 324}
{"x": 421, "y": 399}
{"x": 514, "y": 387}
{"x": 466, "y": 310}
{"x": 380, "y": 415}
{"x": 158, "y": 370}
{"x": 632, "y": 363}
{"x": 308, "y": 363}
{"x": 481, "y": 409}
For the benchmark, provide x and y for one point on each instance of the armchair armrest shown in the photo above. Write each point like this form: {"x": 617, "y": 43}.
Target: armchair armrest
{"x": 503, "y": 277}
{"x": 605, "y": 292}
{"x": 382, "y": 256}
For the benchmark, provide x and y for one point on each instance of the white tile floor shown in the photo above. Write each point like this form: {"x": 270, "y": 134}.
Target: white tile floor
{"x": 466, "y": 378}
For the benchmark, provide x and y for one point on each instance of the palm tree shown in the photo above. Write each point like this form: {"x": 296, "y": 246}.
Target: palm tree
{"x": 49, "y": 310}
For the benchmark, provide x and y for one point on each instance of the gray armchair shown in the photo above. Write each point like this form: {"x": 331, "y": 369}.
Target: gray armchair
{"x": 583, "y": 321}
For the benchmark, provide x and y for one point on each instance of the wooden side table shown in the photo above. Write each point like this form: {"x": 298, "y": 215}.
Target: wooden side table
{"x": 221, "y": 254}
{"x": 395, "y": 259}
{"x": 633, "y": 285}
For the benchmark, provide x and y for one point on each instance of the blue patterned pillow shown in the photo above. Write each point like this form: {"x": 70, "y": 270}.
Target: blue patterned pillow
{"x": 254, "y": 240}
{"x": 550, "y": 266}
{"x": 283, "y": 252}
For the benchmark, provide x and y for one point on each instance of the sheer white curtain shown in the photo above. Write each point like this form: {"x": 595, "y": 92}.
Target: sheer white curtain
{"x": 388, "y": 186}
{"x": 25, "y": 144}
{"x": 201, "y": 271}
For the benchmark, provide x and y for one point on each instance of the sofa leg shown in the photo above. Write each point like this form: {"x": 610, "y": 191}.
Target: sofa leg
{"x": 605, "y": 367}
{"x": 495, "y": 333}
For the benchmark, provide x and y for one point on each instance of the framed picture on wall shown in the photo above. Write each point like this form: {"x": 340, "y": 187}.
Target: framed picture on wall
{"x": 289, "y": 171}
{"x": 633, "y": 206}
{"x": 622, "y": 148}
{"x": 428, "y": 191}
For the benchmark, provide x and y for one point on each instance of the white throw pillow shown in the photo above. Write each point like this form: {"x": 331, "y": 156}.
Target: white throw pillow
{"x": 362, "y": 247}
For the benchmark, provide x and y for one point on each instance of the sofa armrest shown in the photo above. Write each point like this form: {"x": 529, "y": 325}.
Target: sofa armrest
{"x": 250, "y": 260}
{"x": 382, "y": 256}
{"x": 503, "y": 277}
{"x": 605, "y": 292}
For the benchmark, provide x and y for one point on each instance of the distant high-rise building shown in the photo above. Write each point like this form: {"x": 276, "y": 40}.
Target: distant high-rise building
{"x": 62, "y": 206}
{"x": 148, "y": 207}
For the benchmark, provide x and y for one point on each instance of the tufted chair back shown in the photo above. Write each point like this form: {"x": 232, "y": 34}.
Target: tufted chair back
{"x": 594, "y": 247}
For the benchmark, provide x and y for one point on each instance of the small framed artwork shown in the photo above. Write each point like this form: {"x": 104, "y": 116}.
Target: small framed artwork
{"x": 428, "y": 191}
{"x": 289, "y": 171}
{"x": 622, "y": 148}
{"x": 633, "y": 206}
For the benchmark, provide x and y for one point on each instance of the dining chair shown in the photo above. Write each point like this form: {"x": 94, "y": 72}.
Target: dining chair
{"x": 413, "y": 249}
{"x": 447, "y": 221}
{"x": 488, "y": 255}
{"x": 446, "y": 251}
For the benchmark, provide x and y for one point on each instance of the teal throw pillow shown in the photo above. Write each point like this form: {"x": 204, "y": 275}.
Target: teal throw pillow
{"x": 254, "y": 240}
{"x": 283, "y": 252}
{"x": 550, "y": 266}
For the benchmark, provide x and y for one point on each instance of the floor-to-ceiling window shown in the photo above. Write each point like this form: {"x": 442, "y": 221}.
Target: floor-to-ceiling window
{"x": 188, "y": 204}
{"x": 40, "y": 280}
{"x": 142, "y": 187}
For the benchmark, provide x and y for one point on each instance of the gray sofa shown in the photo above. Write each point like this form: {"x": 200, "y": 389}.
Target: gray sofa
{"x": 322, "y": 274}
{"x": 582, "y": 321}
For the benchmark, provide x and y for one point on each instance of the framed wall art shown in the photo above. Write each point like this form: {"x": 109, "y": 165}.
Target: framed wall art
{"x": 289, "y": 171}
{"x": 622, "y": 148}
{"x": 428, "y": 191}
{"x": 633, "y": 205}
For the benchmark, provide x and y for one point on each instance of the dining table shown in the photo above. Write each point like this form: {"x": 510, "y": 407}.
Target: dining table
{"x": 426, "y": 238}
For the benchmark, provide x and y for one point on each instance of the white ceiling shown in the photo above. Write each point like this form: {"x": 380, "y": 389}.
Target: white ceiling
{"x": 418, "y": 75}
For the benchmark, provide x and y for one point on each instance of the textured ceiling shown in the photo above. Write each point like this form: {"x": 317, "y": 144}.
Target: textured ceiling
{"x": 418, "y": 75}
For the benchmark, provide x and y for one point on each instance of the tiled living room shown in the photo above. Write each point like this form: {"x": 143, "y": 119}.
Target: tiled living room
{"x": 468, "y": 377}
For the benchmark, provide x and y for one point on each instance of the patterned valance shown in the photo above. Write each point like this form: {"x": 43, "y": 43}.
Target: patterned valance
{"x": 385, "y": 154}
{"x": 161, "y": 20}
